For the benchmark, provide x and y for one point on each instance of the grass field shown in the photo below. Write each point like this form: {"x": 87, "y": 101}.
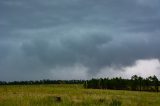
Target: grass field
{"x": 73, "y": 95}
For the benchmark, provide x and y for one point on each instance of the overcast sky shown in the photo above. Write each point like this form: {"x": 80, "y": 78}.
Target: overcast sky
{"x": 78, "y": 39}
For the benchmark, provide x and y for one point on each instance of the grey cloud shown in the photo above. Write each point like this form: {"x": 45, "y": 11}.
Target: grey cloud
{"x": 39, "y": 36}
{"x": 64, "y": 51}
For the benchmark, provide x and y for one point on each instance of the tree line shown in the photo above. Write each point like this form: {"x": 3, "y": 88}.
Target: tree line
{"x": 136, "y": 83}
{"x": 45, "y": 81}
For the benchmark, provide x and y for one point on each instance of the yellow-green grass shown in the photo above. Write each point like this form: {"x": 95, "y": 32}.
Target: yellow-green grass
{"x": 72, "y": 95}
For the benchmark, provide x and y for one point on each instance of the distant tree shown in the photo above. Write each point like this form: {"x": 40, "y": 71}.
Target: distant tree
{"x": 135, "y": 83}
{"x": 85, "y": 84}
{"x": 134, "y": 79}
{"x": 140, "y": 83}
{"x": 155, "y": 82}
{"x": 146, "y": 83}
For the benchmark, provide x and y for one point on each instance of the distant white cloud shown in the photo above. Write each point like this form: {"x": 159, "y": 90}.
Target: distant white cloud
{"x": 144, "y": 68}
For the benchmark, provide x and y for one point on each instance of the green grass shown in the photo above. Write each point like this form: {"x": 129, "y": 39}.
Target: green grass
{"x": 73, "y": 95}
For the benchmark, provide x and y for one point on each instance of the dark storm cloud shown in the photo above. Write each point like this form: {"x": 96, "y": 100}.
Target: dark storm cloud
{"x": 40, "y": 37}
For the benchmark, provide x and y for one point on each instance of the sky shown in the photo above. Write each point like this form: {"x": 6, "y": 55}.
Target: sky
{"x": 79, "y": 39}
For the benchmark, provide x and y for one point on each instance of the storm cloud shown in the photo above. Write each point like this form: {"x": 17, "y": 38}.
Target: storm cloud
{"x": 76, "y": 39}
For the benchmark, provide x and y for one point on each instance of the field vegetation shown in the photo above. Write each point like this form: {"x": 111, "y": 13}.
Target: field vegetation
{"x": 73, "y": 95}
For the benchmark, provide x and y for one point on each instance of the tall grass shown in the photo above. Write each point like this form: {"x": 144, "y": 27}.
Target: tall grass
{"x": 73, "y": 95}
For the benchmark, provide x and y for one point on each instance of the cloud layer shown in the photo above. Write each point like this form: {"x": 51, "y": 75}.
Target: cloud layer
{"x": 76, "y": 39}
